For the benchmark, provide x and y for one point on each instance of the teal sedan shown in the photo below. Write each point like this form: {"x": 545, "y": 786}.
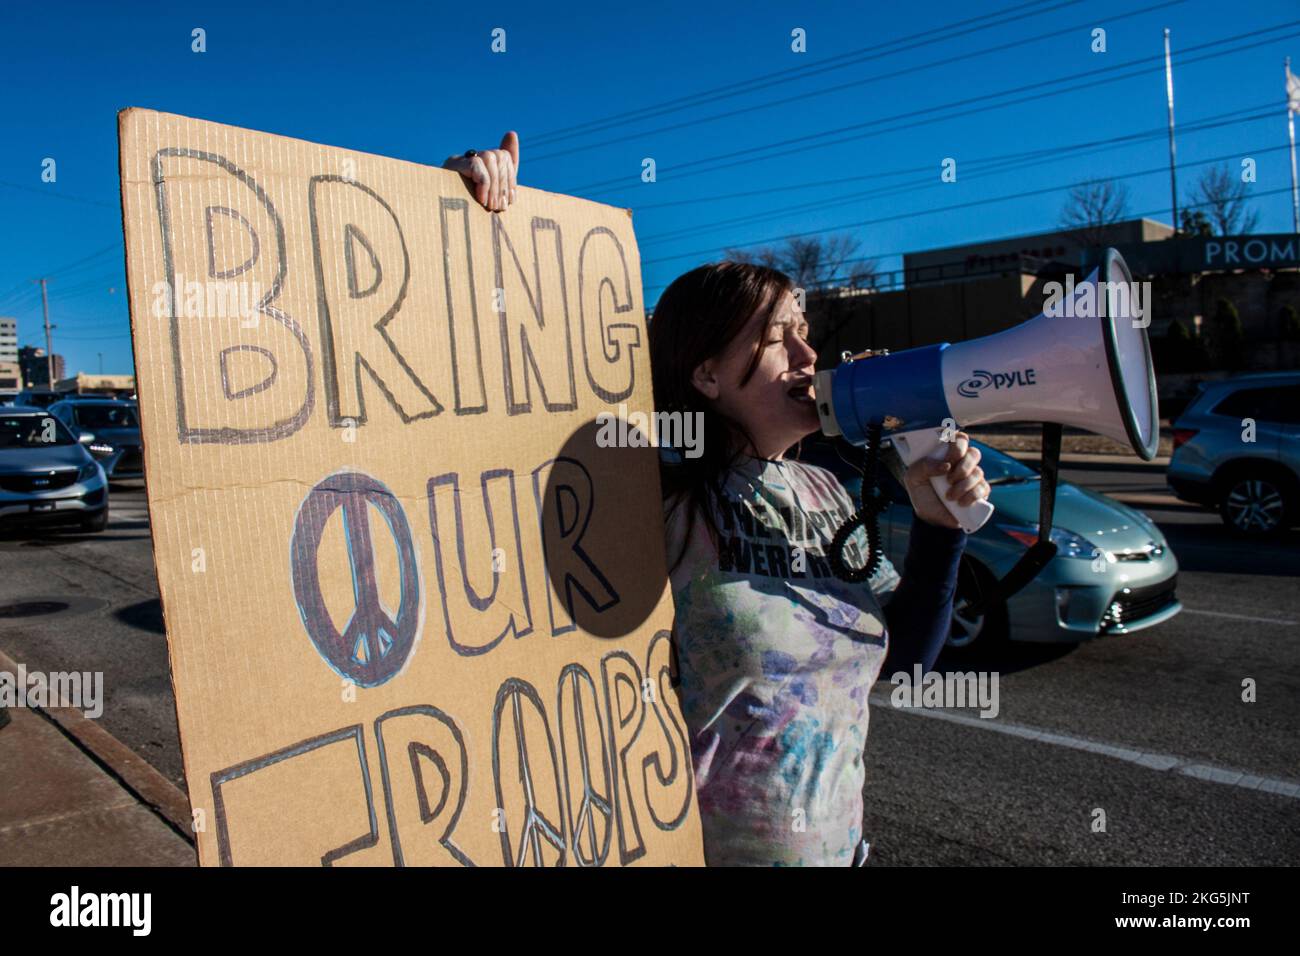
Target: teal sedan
{"x": 1113, "y": 572}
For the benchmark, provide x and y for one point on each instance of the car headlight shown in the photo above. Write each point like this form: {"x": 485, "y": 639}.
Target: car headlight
{"x": 99, "y": 448}
{"x": 1068, "y": 544}
{"x": 88, "y": 471}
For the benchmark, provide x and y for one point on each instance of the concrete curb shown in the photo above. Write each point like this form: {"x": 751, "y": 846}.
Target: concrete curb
{"x": 1160, "y": 463}
{"x": 150, "y": 787}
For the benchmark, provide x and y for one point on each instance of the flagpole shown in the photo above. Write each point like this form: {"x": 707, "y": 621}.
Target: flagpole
{"x": 1169, "y": 95}
{"x": 1290, "y": 126}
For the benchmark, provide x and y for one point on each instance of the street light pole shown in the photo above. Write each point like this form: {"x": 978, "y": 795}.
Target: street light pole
{"x": 49, "y": 348}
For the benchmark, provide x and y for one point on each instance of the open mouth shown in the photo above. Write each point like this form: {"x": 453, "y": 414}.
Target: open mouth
{"x": 803, "y": 392}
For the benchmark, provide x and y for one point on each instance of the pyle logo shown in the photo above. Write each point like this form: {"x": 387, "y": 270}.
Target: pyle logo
{"x": 103, "y": 909}
{"x": 981, "y": 380}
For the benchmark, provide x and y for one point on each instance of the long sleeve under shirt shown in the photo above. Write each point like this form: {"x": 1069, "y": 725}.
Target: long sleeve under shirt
{"x": 777, "y": 657}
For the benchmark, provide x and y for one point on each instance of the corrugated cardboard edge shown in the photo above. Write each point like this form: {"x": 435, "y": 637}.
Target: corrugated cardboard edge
{"x": 124, "y": 114}
{"x": 123, "y": 117}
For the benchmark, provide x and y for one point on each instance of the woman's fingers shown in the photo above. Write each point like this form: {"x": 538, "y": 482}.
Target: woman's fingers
{"x": 959, "y": 489}
{"x": 957, "y": 447}
{"x": 493, "y": 164}
{"x": 510, "y": 146}
{"x": 507, "y": 179}
{"x": 494, "y": 173}
{"x": 478, "y": 174}
{"x": 965, "y": 466}
{"x": 979, "y": 493}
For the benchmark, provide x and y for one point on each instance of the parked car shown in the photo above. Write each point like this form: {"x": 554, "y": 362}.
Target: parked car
{"x": 1237, "y": 450}
{"x": 37, "y": 397}
{"x": 110, "y": 428}
{"x": 46, "y": 475}
{"x": 1113, "y": 572}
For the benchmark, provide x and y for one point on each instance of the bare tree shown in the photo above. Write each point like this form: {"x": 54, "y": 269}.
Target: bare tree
{"x": 816, "y": 263}
{"x": 1223, "y": 197}
{"x": 1092, "y": 207}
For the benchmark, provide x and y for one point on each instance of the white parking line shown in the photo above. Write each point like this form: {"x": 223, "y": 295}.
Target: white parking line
{"x": 1239, "y": 617}
{"x": 1143, "y": 758}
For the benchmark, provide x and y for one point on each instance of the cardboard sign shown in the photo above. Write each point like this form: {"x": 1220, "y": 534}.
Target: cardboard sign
{"x": 417, "y": 613}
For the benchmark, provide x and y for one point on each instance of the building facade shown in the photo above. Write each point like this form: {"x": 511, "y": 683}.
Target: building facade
{"x": 8, "y": 340}
{"x": 35, "y": 370}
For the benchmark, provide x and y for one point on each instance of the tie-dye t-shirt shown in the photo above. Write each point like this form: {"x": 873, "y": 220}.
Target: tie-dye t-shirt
{"x": 776, "y": 658}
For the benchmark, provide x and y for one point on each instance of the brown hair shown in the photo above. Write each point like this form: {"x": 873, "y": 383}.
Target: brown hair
{"x": 696, "y": 319}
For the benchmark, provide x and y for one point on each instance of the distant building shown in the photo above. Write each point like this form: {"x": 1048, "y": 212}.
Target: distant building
{"x": 10, "y": 380}
{"x": 8, "y": 340}
{"x": 118, "y": 386}
{"x": 35, "y": 370}
{"x": 1215, "y": 304}
{"x": 977, "y": 260}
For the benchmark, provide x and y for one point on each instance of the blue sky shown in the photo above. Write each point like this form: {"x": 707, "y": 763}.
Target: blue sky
{"x": 419, "y": 81}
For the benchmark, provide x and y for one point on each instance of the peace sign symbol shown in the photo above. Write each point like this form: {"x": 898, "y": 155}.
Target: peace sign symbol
{"x": 519, "y": 696}
{"x": 374, "y": 644}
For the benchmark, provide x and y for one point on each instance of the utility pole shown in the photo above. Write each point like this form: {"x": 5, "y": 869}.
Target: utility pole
{"x": 49, "y": 348}
{"x": 1169, "y": 95}
{"x": 1291, "y": 101}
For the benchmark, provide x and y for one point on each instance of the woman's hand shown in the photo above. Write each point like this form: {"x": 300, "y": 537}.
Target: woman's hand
{"x": 492, "y": 172}
{"x": 961, "y": 465}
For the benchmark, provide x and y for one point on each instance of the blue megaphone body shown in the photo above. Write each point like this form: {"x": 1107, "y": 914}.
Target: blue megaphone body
{"x": 1085, "y": 362}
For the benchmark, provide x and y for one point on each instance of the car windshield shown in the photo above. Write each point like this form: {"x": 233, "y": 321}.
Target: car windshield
{"x": 1002, "y": 469}
{"x": 33, "y": 431}
{"x": 106, "y": 416}
{"x": 999, "y": 468}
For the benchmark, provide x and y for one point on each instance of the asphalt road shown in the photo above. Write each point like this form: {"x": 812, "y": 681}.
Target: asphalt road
{"x": 1149, "y": 728}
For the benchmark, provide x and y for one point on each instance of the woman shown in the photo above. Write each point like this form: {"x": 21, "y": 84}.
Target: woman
{"x": 777, "y": 656}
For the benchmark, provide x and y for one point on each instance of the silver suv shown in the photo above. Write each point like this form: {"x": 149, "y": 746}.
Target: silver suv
{"x": 110, "y": 428}
{"x": 1237, "y": 449}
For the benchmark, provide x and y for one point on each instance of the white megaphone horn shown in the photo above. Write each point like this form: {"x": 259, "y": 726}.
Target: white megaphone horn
{"x": 1084, "y": 362}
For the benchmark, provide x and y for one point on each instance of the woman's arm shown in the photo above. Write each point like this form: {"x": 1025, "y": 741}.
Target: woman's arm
{"x": 919, "y": 614}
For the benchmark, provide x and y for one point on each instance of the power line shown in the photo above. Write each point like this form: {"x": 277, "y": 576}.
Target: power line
{"x": 964, "y": 205}
{"x": 745, "y": 156}
{"x": 55, "y": 194}
{"x": 998, "y": 164}
{"x": 840, "y": 180}
{"x": 810, "y": 94}
{"x": 1139, "y": 215}
{"x": 779, "y": 76}
{"x": 9, "y": 298}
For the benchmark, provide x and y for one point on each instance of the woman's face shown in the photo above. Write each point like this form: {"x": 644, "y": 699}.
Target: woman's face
{"x": 776, "y": 405}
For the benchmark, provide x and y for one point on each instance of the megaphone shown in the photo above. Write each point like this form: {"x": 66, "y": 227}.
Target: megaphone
{"x": 1084, "y": 361}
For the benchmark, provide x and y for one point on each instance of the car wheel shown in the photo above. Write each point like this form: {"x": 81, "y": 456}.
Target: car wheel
{"x": 96, "y": 524}
{"x": 968, "y": 632}
{"x": 1254, "y": 504}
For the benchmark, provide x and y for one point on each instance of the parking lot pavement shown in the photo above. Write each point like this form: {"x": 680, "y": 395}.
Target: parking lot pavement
{"x": 1213, "y": 787}
{"x": 89, "y": 602}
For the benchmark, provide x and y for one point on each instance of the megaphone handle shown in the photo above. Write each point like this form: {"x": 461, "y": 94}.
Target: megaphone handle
{"x": 928, "y": 443}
